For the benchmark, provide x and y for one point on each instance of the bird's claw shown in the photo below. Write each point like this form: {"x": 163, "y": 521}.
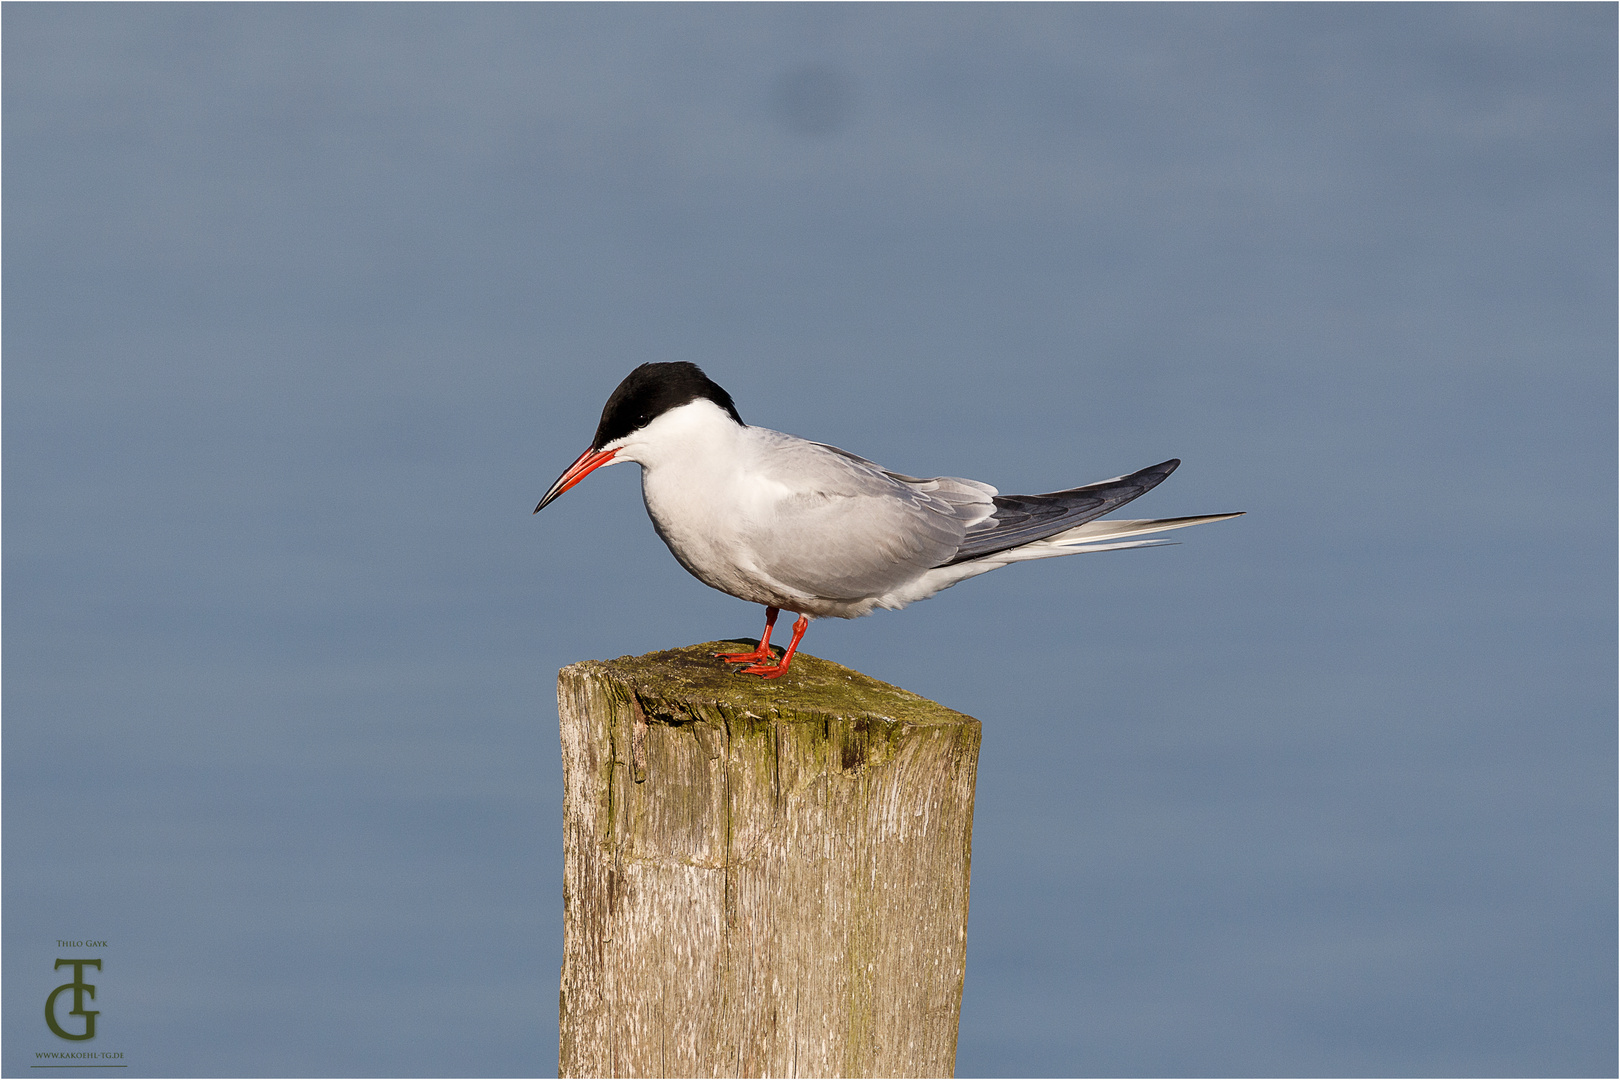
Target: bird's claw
{"x": 745, "y": 657}
{"x": 773, "y": 666}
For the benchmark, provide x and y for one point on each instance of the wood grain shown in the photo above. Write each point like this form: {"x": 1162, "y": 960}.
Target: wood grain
{"x": 761, "y": 878}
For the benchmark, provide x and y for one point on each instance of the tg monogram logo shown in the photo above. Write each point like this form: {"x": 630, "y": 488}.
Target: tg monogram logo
{"x": 79, "y": 988}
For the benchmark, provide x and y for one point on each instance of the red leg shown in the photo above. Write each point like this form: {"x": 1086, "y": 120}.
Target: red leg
{"x": 761, "y": 653}
{"x": 771, "y": 671}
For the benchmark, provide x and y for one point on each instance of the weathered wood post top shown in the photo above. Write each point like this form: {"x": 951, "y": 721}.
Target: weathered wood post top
{"x": 762, "y": 878}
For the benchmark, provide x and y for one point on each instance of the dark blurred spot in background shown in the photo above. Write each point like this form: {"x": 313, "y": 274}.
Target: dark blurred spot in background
{"x": 813, "y": 100}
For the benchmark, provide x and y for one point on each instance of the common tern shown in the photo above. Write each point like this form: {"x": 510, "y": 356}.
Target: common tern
{"x": 808, "y": 528}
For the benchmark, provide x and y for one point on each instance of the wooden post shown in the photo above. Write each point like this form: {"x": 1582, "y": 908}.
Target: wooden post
{"x": 761, "y": 878}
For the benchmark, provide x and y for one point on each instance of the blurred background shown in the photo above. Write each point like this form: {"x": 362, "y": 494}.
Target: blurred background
{"x": 307, "y": 305}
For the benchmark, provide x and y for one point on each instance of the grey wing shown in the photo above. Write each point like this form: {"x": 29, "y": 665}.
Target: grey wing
{"x": 850, "y": 529}
{"x": 1023, "y": 519}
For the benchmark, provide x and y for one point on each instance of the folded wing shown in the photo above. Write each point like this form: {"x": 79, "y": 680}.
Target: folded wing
{"x": 844, "y": 528}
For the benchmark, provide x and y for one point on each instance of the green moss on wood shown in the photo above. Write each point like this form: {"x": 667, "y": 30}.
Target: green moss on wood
{"x": 812, "y": 688}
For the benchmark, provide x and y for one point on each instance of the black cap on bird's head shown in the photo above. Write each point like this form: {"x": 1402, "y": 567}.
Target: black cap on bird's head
{"x": 652, "y": 390}
{"x": 646, "y": 393}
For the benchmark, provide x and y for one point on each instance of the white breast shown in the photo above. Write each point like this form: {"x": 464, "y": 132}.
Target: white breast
{"x": 707, "y": 498}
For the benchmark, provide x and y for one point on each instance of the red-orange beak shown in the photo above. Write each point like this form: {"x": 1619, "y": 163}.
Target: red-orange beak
{"x": 587, "y": 462}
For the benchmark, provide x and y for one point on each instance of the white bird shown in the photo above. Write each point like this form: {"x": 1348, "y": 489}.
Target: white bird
{"x": 811, "y": 529}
